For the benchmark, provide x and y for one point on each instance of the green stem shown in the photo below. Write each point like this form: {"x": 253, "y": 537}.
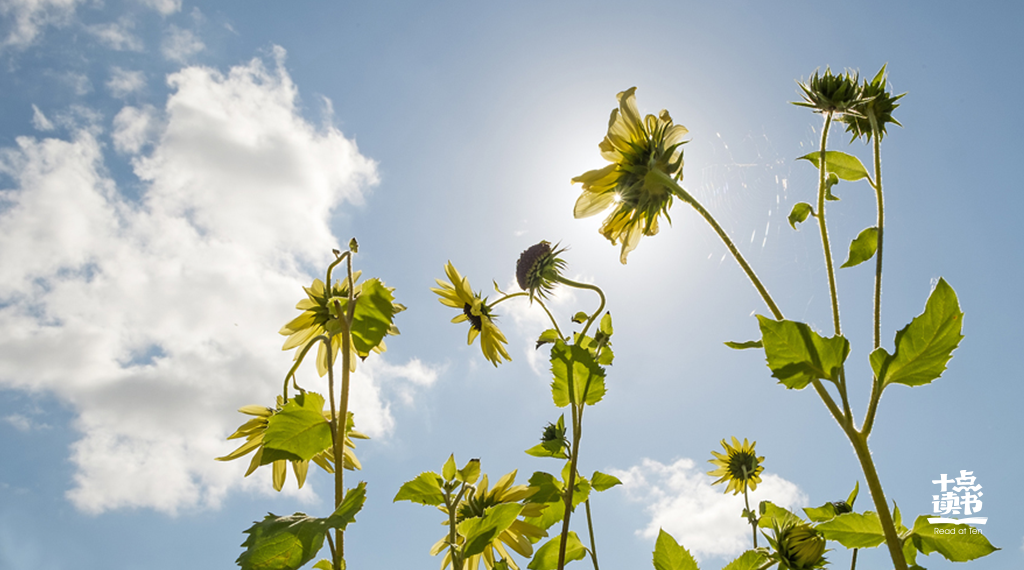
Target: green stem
{"x": 680, "y": 192}
{"x": 594, "y": 288}
{"x": 824, "y": 228}
{"x": 853, "y": 563}
{"x": 746, "y": 502}
{"x": 571, "y": 483}
{"x": 590, "y": 529}
{"x": 554, "y": 323}
{"x": 452, "y": 533}
{"x": 876, "y": 388}
{"x": 892, "y": 539}
{"x": 509, "y": 296}
{"x": 298, "y": 361}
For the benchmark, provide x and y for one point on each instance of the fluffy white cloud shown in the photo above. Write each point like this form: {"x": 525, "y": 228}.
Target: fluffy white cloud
{"x": 134, "y": 128}
{"x": 117, "y": 35}
{"x": 123, "y": 82}
{"x": 180, "y": 45}
{"x": 165, "y": 7}
{"x": 680, "y": 499}
{"x": 26, "y": 18}
{"x": 156, "y": 318}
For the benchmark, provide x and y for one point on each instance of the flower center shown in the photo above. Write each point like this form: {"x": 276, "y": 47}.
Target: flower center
{"x": 474, "y": 320}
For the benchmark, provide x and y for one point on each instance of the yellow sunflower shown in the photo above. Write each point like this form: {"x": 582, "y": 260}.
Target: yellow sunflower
{"x": 740, "y": 466}
{"x": 646, "y": 156}
{"x": 517, "y": 536}
{"x": 458, "y": 295}
{"x": 254, "y": 429}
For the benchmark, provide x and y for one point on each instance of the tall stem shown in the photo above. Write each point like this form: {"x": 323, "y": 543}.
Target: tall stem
{"x": 892, "y": 539}
{"x": 824, "y": 228}
{"x": 590, "y": 529}
{"x": 876, "y": 388}
{"x": 571, "y": 483}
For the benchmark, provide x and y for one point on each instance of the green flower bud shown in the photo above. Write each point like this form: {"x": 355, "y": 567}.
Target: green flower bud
{"x": 799, "y": 547}
{"x": 828, "y": 93}
{"x": 878, "y": 104}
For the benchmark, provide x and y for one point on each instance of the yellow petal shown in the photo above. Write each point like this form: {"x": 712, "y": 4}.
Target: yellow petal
{"x": 590, "y": 203}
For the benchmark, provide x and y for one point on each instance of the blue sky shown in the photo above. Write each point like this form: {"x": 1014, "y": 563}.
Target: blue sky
{"x": 172, "y": 173}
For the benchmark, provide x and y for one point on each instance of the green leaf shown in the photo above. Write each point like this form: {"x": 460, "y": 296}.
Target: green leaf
{"x": 549, "y": 492}
{"x": 323, "y": 564}
{"x": 854, "y": 530}
{"x": 797, "y": 355}
{"x": 823, "y": 513}
{"x": 548, "y": 336}
{"x": 287, "y": 543}
{"x": 863, "y": 247}
{"x": 448, "y": 471}
{"x": 924, "y": 346}
{"x": 373, "y": 316}
{"x": 480, "y": 531}
{"x": 580, "y": 317}
{"x": 574, "y": 367}
{"x": 853, "y": 494}
{"x": 831, "y": 181}
{"x": 552, "y": 448}
{"x": 947, "y": 540}
{"x": 749, "y": 560}
{"x": 546, "y": 557}
{"x": 299, "y": 429}
{"x": 603, "y": 482}
{"x": 606, "y": 324}
{"x": 470, "y": 473}
{"x": 425, "y": 489}
{"x": 799, "y": 213}
{"x": 743, "y": 345}
{"x": 841, "y": 164}
{"x": 669, "y": 555}
{"x": 771, "y": 513}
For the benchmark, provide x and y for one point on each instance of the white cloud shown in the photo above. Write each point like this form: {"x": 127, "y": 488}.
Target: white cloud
{"x": 134, "y": 128}
{"x": 123, "y": 82}
{"x": 26, "y": 18}
{"x": 117, "y": 35}
{"x": 180, "y": 45}
{"x": 680, "y": 499}
{"x": 530, "y": 320}
{"x": 165, "y": 7}
{"x": 155, "y": 319}
{"x": 39, "y": 120}
{"x": 23, "y": 423}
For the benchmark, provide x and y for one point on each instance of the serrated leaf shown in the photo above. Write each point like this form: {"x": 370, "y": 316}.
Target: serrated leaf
{"x": 863, "y": 247}
{"x": 843, "y": 165}
{"x": 749, "y": 560}
{"x": 299, "y": 430}
{"x": 669, "y": 555}
{"x": 953, "y": 546}
{"x": 549, "y": 493}
{"x": 373, "y": 316}
{"x": 448, "y": 470}
{"x": 548, "y": 336}
{"x": 574, "y": 367}
{"x": 854, "y": 530}
{"x": 797, "y": 355}
{"x": 425, "y": 489}
{"x": 923, "y": 347}
{"x": 744, "y": 345}
{"x": 580, "y": 317}
{"x": 287, "y": 543}
{"x": 546, "y": 557}
{"x": 603, "y": 482}
{"x": 799, "y": 213}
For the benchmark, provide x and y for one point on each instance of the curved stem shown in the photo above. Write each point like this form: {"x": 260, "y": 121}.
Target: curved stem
{"x": 509, "y": 296}
{"x": 594, "y": 288}
{"x": 298, "y": 361}
{"x": 330, "y": 268}
{"x": 682, "y": 194}
{"x": 554, "y": 323}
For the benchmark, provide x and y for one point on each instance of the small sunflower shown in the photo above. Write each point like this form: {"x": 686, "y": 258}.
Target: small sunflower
{"x": 643, "y": 152}
{"x": 519, "y": 536}
{"x": 740, "y": 466}
{"x": 538, "y": 269}
{"x": 458, "y": 295}
{"x": 254, "y": 429}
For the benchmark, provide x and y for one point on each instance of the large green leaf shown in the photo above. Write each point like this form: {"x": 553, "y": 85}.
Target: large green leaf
{"x": 774, "y": 514}
{"x": 299, "y": 430}
{"x": 546, "y": 557}
{"x": 669, "y": 555}
{"x": 373, "y": 316}
{"x": 573, "y": 366}
{"x": 841, "y": 164}
{"x": 797, "y": 355}
{"x": 287, "y": 543}
{"x": 425, "y": 489}
{"x": 854, "y": 530}
{"x": 957, "y": 543}
{"x": 749, "y": 560}
{"x": 924, "y": 346}
{"x": 480, "y": 531}
{"x": 863, "y": 247}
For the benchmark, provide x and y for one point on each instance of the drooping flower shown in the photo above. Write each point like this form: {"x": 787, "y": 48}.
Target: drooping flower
{"x": 457, "y": 294}
{"x": 254, "y": 430}
{"x": 878, "y": 103}
{"x": 518, "y": 534}
{"x": 645, "y": 153}
{"x": 538, "y": 269}
{"x": 740, "y": 466}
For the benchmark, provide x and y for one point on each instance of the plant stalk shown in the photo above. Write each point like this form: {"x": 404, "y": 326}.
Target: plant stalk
{"x": 892, "y": 539}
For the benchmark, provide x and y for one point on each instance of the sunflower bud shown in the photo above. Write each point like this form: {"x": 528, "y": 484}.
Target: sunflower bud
{"x": 799, "y": 547}
{"x": 828, "y": 93}
{"x": 878, "y": 103}
{"x": 538, "y": 269}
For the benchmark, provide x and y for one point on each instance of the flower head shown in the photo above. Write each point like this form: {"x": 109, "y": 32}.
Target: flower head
{"x": 798, "y": 546}
{"x": 516, "y": 536}
{"x": 740, "y": 466}
{"x": 538, "y": 269}
{"x": 878, "y": 104}
{"x": 828, "y": 93}
{"x": 646, "y": 158}
{"x": 458, "y": 295}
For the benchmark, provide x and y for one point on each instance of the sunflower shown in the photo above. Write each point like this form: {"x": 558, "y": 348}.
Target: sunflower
{"x": 320, "y": 317}
{"x": 539, "y": 268}
{"x": 519, "y": 536}
{"x": 458, "y": 295}
{"x": 254, "y": 429}
{"x": 741, "y": 466}
{"x": 646, "y": 155}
